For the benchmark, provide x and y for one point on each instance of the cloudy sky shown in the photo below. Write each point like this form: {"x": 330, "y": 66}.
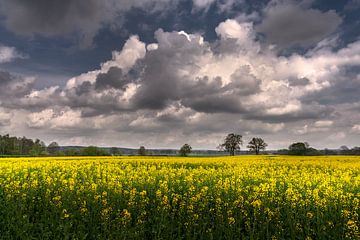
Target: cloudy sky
{"x": 161, "y": 73}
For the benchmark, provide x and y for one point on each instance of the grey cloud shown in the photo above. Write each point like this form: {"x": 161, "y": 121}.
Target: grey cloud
{"x": 294, "y": 81}
{"x": 82, "y": 18}
{"x": 161, "y": 81}
{"x": 202, "y": 87}
{"x": 243, "y": 82}
{"x": 13, "y": 87}
{"x": 184, "y": 86}
{"x": 288, "y": 24}
{"x": 84, "y": 88}
{"x": 162, "y": 84}
{"x": 310, "y": 110}
{"x": 352, "y": 5}
{"x": 114, "y": 78}
{"x": 5, "y": 78}
{"x": 210, "y": 96}
{"x": 9, "y": 54}
{"x": 55, "y": 17}
{"x": 215, "y": 104}
{"x": 346, "y": 89}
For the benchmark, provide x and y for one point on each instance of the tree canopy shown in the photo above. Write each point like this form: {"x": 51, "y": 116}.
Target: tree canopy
{"x": 53, "y": 148}
{"x": 232, "y": 143}
{"x": 142, "y": 151}
{"x": 257, "y": 144}
{"x": 185, "y": 150}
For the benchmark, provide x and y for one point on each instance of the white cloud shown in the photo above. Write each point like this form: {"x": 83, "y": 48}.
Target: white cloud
{"x": 355, "y": 128}
{"x": 203, "y": 3}
{"x": 182, "y": 85}
{"x": 323, "y": 123}
{"x": 217, "y": 78}
{"x": 132, "y": 51}
{"x": 5, "y": 117}
{"x": 337, "y": 136}
{"x": 9, "y": 54}
{"x": 56, "y": 119}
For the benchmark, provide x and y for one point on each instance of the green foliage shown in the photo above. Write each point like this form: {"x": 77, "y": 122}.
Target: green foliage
{"x": 16, "y": 146}
{"x": 232, "y": 143}
{"x": 302, "y": 149}
{"x": 257, "y": 144}
{"x": 185, "y": 150}
{"x": 72, "y": 152}
{"x": 115, "y": 151}
{"x": 93, "y": 151}
{"x": 142, "y": 151}
{"x": 298, "y": 148}
{"x": 53, "y": 148}
{"x": 38, "y": 149}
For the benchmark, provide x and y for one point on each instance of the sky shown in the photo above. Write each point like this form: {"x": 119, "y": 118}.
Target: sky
{"x": 161, "y": 73}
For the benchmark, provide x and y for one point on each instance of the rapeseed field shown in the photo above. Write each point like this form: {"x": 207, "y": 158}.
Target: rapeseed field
{"x": 244, "y": 197}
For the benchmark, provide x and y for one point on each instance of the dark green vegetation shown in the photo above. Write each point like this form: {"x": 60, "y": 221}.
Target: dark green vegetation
{"x": 22, "y": 146}
{"x": 185, "y": 150}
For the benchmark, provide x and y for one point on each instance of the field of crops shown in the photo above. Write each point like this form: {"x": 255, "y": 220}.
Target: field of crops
{"x": 247, "y": 197}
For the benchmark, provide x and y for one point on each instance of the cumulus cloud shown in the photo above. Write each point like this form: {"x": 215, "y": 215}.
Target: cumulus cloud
{"x": 188, "y": 86}
{"x": 8, "y": 54}
{"x": 12, "y": 87}
{"x": 323, "y": 123}
{"x": 186, "y": 70}
{"x": 356, "y": 128}
{"x": 5, "y": 117}
{"x": 287, "y": 23}
{"x": 51, "y": 118}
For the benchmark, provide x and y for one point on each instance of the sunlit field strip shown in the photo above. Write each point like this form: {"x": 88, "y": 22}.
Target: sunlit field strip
{"x": 252, "y": 197}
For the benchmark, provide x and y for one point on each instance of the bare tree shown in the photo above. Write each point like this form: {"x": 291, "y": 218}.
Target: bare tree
{"x": 232, "y": 143}
{"x": 257, "y": 144}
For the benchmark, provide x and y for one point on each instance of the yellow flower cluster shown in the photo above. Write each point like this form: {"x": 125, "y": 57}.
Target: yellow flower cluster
{"x": 256, "y": 197}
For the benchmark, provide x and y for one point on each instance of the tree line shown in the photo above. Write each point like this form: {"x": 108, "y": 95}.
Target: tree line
{"x": 22, "y": 146}
{"x": 232, "y": 143}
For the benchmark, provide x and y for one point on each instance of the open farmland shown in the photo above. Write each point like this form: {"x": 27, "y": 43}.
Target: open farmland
{"x": 251, "y": 197}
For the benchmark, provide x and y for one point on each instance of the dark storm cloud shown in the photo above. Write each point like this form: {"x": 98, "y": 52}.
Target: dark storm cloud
{"x": 287, "y": 24}
{"x": 84, "y": 88}
{"x": 215, "y": 104}
{"x": 161, "y": 82}
{"x": 202, "y": 87}
{"x": 309, "y": 111}
{"x": 211, "y": 97}
{"x": 13, "y": 87}
{"x": 82, "y": 18}
{"x": 114, "y": 78}
{"x": 55, "y": 17}
{"x": 182, "y": 85}
{"x": 164, "y": 76}
{"x": 5, "y": 78}
{"x": 346, "y": 89}
{"x": 352, "y": 5}
{"x": 243, "y": 83}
